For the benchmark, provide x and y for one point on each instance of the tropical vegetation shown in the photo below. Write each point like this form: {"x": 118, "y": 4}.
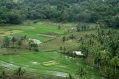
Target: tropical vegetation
{"x": 60, "y": 28}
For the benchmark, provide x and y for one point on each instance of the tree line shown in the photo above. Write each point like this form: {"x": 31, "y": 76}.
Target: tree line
{"x": 21, "y": 42}
{"x": 12, "y": 12}
{"x": 18, "y": 73}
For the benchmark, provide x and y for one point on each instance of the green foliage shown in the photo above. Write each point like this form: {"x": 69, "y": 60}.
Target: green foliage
{"x": 81, "y": 72}
{"x": 82, "y": 27}
{"x": 72, "y": 36}
{"x": 14, "y": 12}
{"x": 103, "y": 47}
{"x": 115, "y": 22}
{"x": 109, "y": 73}
{"x": 19, "y": 72}
{"x": 13, "y": 40}
{"x": 6, "y": 41}
{"x": 64, "y": 39}
{"x": 14, "y": 19}
{"x": 3, "y": 75}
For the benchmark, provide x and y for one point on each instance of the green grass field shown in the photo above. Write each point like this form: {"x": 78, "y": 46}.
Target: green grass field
{"x": 32, "y": 31}
{"x": 57, "y": 64}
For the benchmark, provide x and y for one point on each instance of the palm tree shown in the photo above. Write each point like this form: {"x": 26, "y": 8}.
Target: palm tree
{"x": 98, "y": 58}
{"x": 3, "y": 75}
{"x": 61, "y": 48}
{"x": 113, "y": 47}
{"x": 102, "y": 32}
{"x": 85, "y": 50}
{"x": 93, "y": 51}
{"x": 24, "y": 37}
{"x": 115, "y": 62}
{"x": 109, "y": 73}
{"x": 13, "y": 40}
{"x": 98, "y": 31}
{"x": 19, "y": 42}
{"x": 25, "y": 40}
{"x": 6, "y": 41}
{"x": 109, "y": 32}
{"x": 90, "y": 42}
{"x": 81, "y": 40}
{"x": 59, "y": 27}
{"x": 81, "y": 72}
{"x": 19, "y": 72}
{"x": 72, "y": 36}
{"x": 101, "y": 39}
{"x": 105, "y": 60}
{"x": 70, "y": 76}
{"x": 63, "y": 39}
{"x": 35, "y": 46}
{"x": 30, "y": 43}
{"x": 64, "y": 49}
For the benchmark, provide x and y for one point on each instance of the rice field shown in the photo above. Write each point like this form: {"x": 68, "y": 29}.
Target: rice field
{"x": 32, "y": 31}
{"x": 48, "y": 63}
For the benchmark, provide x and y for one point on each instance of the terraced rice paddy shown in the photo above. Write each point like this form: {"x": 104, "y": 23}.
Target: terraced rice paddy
{"x": 49, "y": 63}
{"x": 37, "y": 31}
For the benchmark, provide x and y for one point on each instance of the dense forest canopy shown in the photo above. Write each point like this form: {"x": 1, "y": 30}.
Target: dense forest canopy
{"x": 16, "y": 11}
